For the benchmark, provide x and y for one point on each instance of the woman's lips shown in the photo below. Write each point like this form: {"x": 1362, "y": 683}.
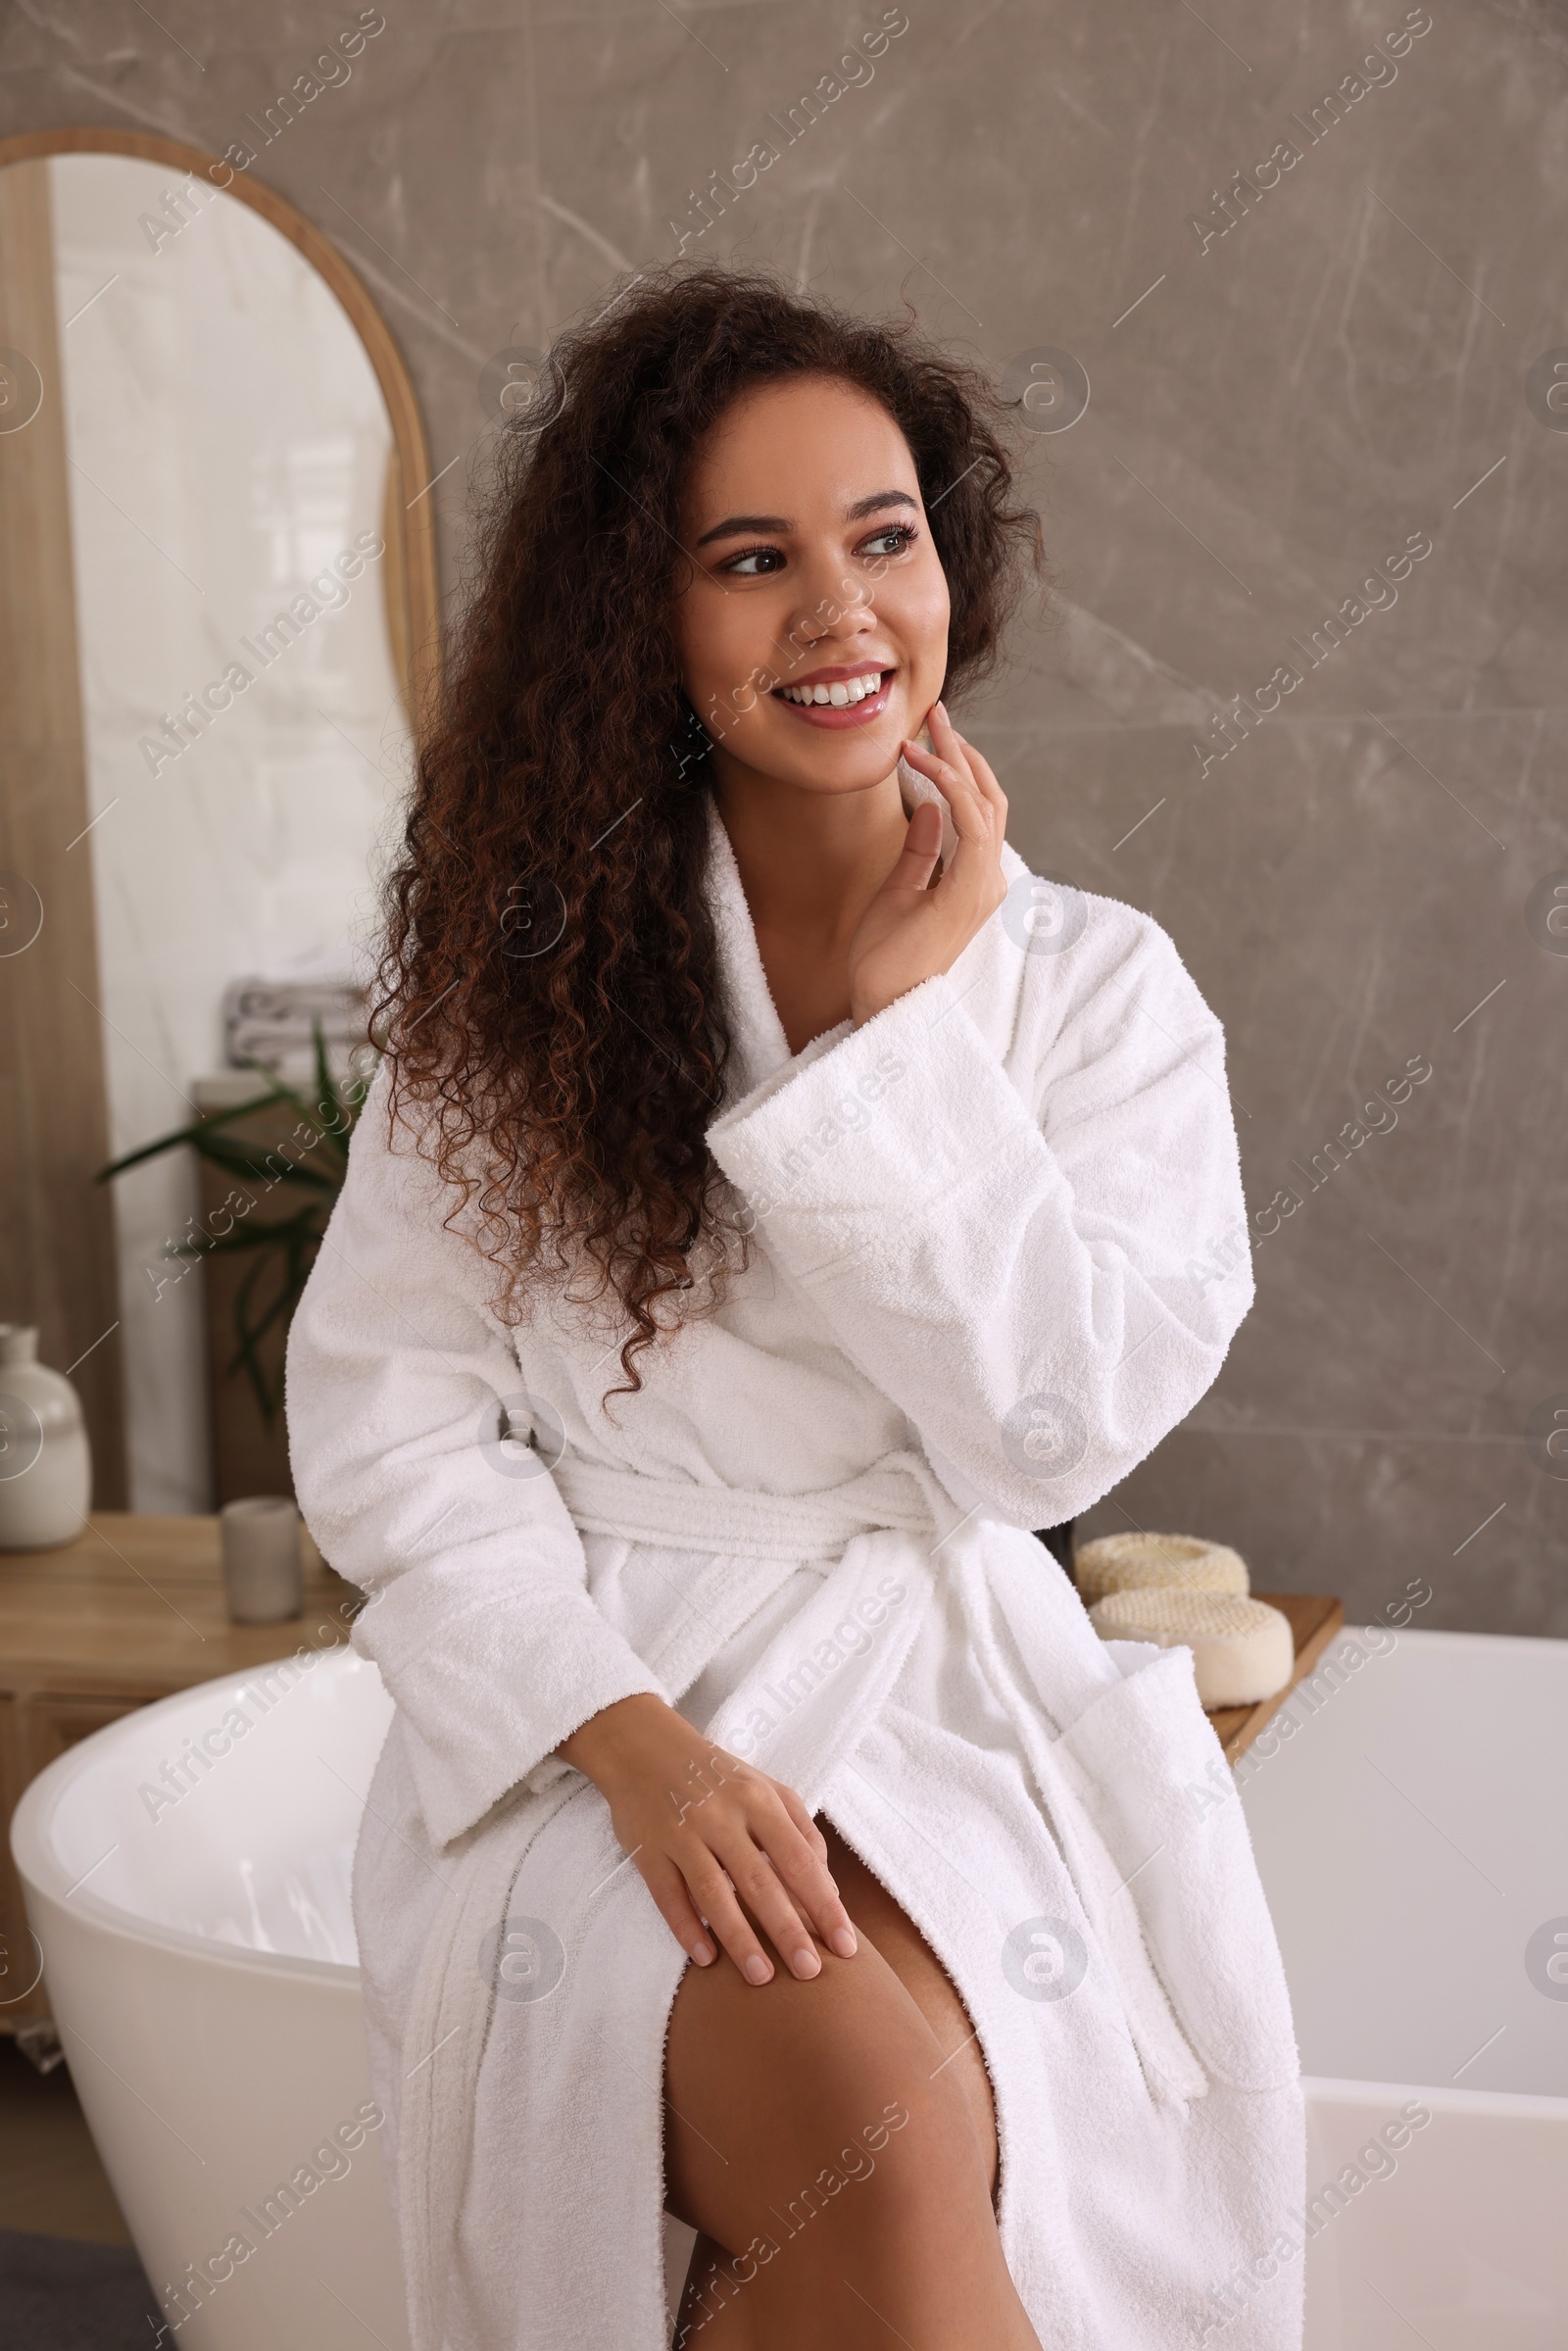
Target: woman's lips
{"x": 825, "y": 713}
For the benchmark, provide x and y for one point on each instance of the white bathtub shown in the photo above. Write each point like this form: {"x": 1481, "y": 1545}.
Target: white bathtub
{"x": 202, "y": 1968}
{"x": 1411, "y": 1819}
{"x": 201, "y": 1964}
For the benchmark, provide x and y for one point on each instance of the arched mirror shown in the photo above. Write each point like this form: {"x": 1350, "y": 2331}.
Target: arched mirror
{"x": 218, "y": 612}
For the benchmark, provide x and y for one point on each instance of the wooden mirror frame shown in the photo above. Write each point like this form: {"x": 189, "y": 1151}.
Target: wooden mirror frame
{"x": 419, "y": 643}
{"x": 58, "y": 1259}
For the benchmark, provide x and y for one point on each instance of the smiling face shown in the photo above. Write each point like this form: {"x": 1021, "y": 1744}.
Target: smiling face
{"x": 814, "y": 638}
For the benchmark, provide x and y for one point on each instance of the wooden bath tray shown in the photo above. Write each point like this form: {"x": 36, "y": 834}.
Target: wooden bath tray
{"x": 1314, "y": 1620}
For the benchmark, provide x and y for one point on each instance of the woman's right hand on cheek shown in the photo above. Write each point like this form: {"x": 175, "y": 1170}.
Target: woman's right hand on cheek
{"x": 704, "y": 1829}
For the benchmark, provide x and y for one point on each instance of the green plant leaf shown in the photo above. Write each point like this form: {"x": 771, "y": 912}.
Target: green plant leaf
{"x": 282, "y": 1252}
{"x": 196, "y": 1135}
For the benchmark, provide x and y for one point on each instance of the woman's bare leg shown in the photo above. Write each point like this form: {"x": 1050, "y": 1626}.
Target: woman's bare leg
{"x": 927, "y": 1983}
{"x": 833, "y": 2142}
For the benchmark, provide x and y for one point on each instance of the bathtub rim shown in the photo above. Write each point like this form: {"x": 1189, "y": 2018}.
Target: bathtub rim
{"x": 1503, "y": 2105}
{"x": 43, "y": 1878}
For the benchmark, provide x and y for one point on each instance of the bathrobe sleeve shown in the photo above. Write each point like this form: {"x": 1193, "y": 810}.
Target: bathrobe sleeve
{"x": 1035, "y": 1247}
{"x": 479, "y": 1618}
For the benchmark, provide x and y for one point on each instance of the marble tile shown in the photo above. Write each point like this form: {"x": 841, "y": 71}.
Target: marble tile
{"x": 1280, "y": 399}
{"x": 1369, "y": 1516}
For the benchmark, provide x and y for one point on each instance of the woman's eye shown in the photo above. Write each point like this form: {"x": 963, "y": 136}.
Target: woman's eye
{"x": 755, "y": 562}
{"x": 895, "y": 540}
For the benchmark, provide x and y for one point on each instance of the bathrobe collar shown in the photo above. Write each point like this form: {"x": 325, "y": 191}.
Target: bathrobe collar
{"x": 759, "y": 1044}
{"x": 760, "y": 1048}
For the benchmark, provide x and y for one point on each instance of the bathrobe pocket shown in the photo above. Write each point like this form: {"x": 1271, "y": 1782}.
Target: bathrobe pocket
{"x": 1144, "y": 1762}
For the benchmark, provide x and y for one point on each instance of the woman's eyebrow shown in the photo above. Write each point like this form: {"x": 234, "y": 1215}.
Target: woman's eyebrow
{"x": 877, "y": 501}
{"x": 736, "y": 526}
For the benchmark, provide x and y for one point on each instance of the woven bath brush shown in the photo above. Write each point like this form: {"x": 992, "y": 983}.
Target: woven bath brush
{"x": 1243, "y": 1651}
{"x": 1148, "y": 1563}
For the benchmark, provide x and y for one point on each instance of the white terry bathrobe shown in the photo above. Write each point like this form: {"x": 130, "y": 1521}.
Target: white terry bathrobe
{"x": 980, "y": 1290}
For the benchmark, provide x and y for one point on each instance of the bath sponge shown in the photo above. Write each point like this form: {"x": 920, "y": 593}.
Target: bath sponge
{"x": 1142, "y": 1562}
{"x": 1243, "y": 1651}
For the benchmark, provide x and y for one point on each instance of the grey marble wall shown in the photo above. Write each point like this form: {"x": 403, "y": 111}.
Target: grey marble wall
{"x": 1347, "y": 357}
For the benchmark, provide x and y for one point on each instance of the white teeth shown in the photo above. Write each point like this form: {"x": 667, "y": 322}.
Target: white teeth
{"x": 843, "y": 696}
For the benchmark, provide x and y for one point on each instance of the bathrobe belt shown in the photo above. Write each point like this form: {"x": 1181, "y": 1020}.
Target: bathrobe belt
{"x": 899, "y": 1492}
{"x": 740, "y": 1546}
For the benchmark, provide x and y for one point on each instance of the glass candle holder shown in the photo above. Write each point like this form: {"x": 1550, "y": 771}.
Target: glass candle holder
{"x": 263, "y": 1576}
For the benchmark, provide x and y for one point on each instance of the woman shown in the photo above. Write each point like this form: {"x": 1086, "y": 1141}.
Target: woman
{"x": 775, "y": 1202}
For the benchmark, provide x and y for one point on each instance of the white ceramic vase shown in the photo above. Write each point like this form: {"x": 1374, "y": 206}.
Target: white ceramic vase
{"x": 45, "y": 1465}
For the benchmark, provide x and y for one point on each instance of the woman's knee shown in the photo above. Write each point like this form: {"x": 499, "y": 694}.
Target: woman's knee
{"x": 803, "y": 2098}
{"x": 790, "y": 2053}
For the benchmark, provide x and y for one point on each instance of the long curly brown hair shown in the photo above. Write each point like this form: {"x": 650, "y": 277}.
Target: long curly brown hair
{"x": 547, "y": 998}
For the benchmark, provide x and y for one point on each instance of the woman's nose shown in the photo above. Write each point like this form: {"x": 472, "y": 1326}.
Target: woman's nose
{"x": 837, "y": 619}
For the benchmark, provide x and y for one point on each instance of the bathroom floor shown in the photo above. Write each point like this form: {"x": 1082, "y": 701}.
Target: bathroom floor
{"x": 69, "y": 2277}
